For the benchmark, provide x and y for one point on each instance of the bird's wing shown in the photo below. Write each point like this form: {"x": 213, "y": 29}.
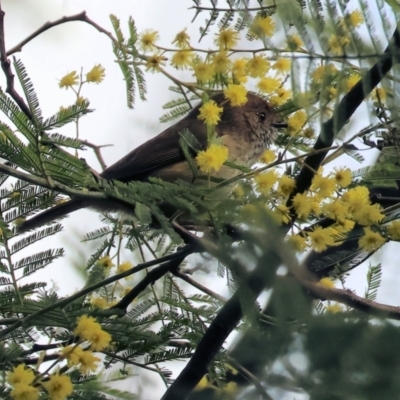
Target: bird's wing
{"x": 156, "y": 153}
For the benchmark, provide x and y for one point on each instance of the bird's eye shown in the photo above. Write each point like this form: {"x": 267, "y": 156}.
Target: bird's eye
{"x": 261, "y": 116}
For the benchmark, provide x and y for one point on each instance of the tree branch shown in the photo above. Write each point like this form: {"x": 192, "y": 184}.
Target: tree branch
{"x": 149, "y": 279}
{"x": 347, "y": 297}
{"x": 6, "y": 67}
{"x": 48, "y": 25}
{"x": 183, "y": 252}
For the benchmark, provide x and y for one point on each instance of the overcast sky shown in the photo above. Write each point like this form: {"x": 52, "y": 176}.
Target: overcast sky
{"x": 76, "y": 45}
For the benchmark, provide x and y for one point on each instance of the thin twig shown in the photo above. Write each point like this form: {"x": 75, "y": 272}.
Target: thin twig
{"x": 97, "y": 152}
{"x": 250, "y": 377}
{"x": 6, "y": 67}
{"x": 149, "y": 279}
{"x": 348, "y": 298}
{"x": 183, "y": 252}
{"x": 197, "y": 285}
{"x": 48, "y": 25}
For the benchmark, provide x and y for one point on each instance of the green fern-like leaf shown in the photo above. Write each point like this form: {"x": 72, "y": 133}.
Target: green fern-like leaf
{"x": 66, "y": 115}
{"x": 37, "y": 261}
{"x": 30, "y": 95}
{"x": 374, "y": 277}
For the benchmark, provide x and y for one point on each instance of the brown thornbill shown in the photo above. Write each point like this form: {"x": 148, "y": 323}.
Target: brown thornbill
{"x": 245, "y": 130}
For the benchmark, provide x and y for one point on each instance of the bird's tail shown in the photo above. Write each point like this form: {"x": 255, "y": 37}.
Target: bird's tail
{"x": 58, "y": 211}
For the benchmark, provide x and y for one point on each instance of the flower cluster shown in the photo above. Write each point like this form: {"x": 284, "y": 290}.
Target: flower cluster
{"x": 212, "y": 159}
{"x": 95, "y": 75}
{"x": 328, "y": 197}
{"x": 75, "y": 355}
{"x": 89, "y": 329}
{"x": 26, "y": 386}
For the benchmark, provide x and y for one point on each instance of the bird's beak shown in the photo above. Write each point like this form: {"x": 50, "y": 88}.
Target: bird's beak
{"x": 279, "y": 125}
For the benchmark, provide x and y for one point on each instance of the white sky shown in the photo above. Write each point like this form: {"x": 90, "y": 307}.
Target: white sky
{"x": 75, "y": 45}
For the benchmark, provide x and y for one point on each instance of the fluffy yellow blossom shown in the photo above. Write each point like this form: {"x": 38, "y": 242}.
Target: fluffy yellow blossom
{"x": 238, "y": 191}
{"x": 286, "y": 185}
{"x": 344, "y": 225}
{"x": 355, "y": 18}
{"x": 342, "y": 176}
{"x": 227, "y": 38}
{"x": 337, "y": 44}
{"x": 182, "y": 59}
{"x": 282, "y": 65}
{"x": 71, "y": 354}
{"x": 268, "y": 156}
{"x": 324, "y": 73}
{"x": 394, "y": 230}
{"x": 321, "y": 239}
{"x": 76, "y": 355}
{"x": 181, "y": 39}
{"x": 212, "y": 159}
{"x": 257, "y": 67}
{"x": 350, "y": 81}
{"x": 221, "y": 62}
{"x": 203, "y": 72}
{"x": 69, "y": 80}
{"x": 105, "y": 262}
{"x": 268, "y": 85}
{"x": 302, "y": 205}
{"x": 81, "y": 100}
{"x": 359, "y": 206}
{"x": 335, "y": 210}
{"x": 379, "y": 94}
{"x": 324, "y": 186}
{"x": 22, "y": 391}
{"x": 263, "y": 26}
{"x": 96, "y": 74}
{"x": 239, "y": 70}
{"x": 308, "y": 133}
{"x": 236, "y": 94}
{"x": 304, "y": 99}
{"x": 266, "y": 180}
{"x": 298, "y": 243}
{"x": 327, "y": 282}
{"x": 125, "y": 266}
{"x": 89, "y": 329}
{"x": 294, "y": 42}
{"x": 154, "y": 62}
{"x": 334, "y": 308}
{"x": 58, "y": 387}
{"x": 20, "y": 374}
{"x": 356, "y": 197}
{"x": 147, "y": 39}
{"x": 98, "y": 302}
{"x": 368, "y": 214}
{"x": 329, "y": 93}
{"x": 371, "y": 240}
{"x": 296, "y": 122}
{"x": 281, "y": 96}
{"x": 281, "y": 214}
{"x": 210, "y": 113}
{"x": 88, "y": 362}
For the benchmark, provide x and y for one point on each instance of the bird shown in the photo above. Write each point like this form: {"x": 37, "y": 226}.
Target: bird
{"x": 246, "y": 130}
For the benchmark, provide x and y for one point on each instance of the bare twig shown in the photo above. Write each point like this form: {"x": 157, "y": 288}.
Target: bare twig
{"x": 197, "y": 285}
{"x": 347, "y": 297}
{"x": 48, "y": 25}
{"x": 149, "y": 279}
{"x": 250, "y": 377}
{"x": 97, "y": 152}
{"x": 183, "y": 252}
{"x": 6, "y": 67}
{"x": 198, "y": 8}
